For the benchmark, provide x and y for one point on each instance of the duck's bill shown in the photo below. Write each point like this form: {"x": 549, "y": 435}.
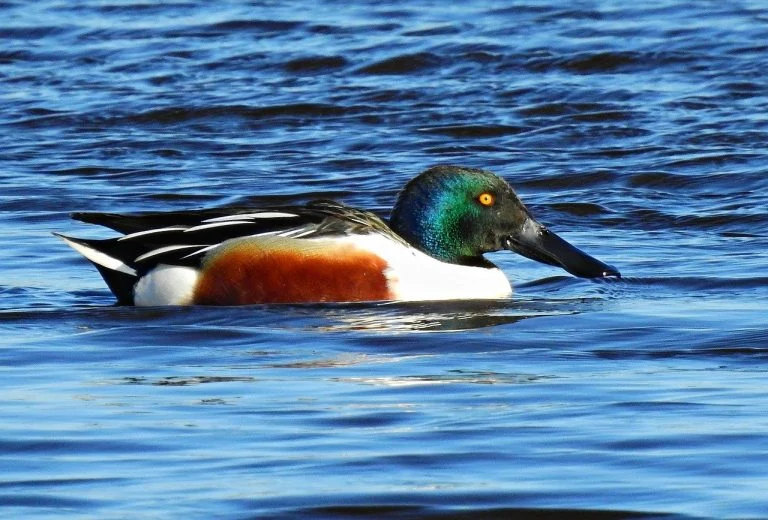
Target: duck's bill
{"x": 536, "y": 242}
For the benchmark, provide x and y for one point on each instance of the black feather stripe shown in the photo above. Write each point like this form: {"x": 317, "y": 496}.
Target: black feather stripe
{"x": 144, "y": 221}
{"x": 196, "y": 232}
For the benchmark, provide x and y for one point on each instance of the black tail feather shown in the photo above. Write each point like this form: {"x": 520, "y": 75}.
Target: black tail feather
{"x": 120, "y": 284}
{"x": 142, "y": 221}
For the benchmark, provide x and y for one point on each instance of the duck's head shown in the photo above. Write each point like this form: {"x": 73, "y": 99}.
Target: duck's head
{"x": 457, "y": 214}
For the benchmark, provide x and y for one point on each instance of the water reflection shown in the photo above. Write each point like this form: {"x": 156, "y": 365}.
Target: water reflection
{"x": 448, "y": 316}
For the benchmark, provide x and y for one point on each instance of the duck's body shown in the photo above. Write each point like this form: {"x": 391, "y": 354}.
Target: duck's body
{"x": 431, "y": 249}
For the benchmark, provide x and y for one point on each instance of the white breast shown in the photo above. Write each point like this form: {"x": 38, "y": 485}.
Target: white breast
{"x": 415, "y": 276}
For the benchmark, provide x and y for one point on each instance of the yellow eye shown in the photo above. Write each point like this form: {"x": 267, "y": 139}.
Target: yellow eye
{"x": 486, "y": 199}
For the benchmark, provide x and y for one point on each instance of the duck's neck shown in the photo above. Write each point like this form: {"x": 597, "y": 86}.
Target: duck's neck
{"x": 431, "y": 235}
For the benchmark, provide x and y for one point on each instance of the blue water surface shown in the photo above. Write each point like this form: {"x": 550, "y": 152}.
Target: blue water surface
{"x": 637, "y": 131}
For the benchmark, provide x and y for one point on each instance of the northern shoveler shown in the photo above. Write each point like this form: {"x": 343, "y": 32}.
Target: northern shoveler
{"x": 432, "y": 248}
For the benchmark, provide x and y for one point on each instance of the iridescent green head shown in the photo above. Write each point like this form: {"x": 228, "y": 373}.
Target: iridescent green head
{"x": 457, "y": 214}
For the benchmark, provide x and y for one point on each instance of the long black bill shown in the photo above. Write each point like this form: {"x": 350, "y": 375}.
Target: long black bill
{"x": 538, "y": 243}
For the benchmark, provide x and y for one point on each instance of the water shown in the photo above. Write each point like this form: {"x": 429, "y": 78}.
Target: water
{"x": 635, "y": 130}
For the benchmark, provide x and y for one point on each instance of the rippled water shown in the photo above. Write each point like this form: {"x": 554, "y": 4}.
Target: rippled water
{"x": 637, "y": 131}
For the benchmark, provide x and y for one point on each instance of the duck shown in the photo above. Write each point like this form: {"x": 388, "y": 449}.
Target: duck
{"x": 432, "y": 247}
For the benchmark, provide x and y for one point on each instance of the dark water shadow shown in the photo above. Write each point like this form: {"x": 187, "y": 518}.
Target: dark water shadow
{"x": 444, "y": 506}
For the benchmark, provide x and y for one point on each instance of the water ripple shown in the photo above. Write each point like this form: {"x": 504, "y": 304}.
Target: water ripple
{"x": 636, "y": 131}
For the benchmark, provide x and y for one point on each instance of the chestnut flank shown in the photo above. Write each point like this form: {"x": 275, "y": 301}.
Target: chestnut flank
{"x": 290, "y": 271}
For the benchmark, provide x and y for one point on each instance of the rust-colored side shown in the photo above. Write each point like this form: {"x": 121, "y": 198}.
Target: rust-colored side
{"x": 290, "y": 271}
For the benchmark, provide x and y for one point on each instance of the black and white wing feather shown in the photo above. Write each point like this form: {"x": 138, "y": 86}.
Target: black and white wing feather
{"x": 183, "y": 238}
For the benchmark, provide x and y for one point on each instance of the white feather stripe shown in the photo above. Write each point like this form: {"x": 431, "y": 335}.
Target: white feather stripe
{"x": 98, "y": 257}
{"x": 166, "y": 249}
{"x": 201, "y": 251}
{"x": 297, "y": 232}
{"x": 262, "y": 214}
{"x": 150, "y": 231}
{"x": 214, "y": 246}
{"x": 216, "y": 224}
